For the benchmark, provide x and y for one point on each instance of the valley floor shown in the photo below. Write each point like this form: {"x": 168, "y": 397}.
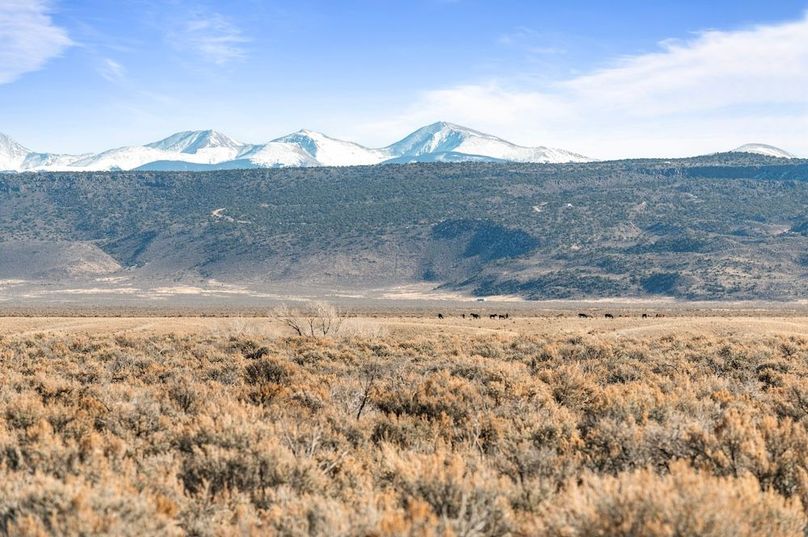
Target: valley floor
{"x": 144, "y": 423}
{"x": 628, "y": 323}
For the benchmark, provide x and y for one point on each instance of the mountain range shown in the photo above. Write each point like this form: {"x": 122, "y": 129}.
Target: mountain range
{"x": 212, "y": 150}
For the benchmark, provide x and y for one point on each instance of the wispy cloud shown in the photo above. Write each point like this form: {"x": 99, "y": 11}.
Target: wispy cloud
{"x": 213, "y": 37}
{"x": 28, "y": 38}
{"x": 531, "y": 41}
{"x": 111, "y": 70}
{"x": 717, "y": 89}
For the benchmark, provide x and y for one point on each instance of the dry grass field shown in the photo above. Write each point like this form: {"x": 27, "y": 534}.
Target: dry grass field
{"x": 680, "y": 426}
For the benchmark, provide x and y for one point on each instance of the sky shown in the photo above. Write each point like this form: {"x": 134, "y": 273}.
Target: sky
{"x": 625, "y": 78}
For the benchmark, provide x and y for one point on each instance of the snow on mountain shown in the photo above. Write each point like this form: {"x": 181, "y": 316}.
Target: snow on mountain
{"x": 195, "y": 141}
{"x": 12, "y": 154}
{"x": 195, "y": 147}
{"x": 121, "y": 158}
{"x": 212, "y": 150}
{"x": 209, "y": 147}
{"x": 448, "y": 156}
{"x": 765, "y": 150}
{"x": 445, "y": 137}
{"x": 277, "y": 154}
{"x": 50, "y": 161}
{"x": 332, "y": 152}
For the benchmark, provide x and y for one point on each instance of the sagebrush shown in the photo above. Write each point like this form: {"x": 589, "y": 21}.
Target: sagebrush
{"x": 434, "y": 435}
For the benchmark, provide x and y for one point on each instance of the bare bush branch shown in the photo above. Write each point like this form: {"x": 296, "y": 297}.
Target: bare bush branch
{"x": 317, "y": 319}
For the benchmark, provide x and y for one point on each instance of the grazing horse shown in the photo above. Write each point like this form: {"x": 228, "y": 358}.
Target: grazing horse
{"x": 440, "y": 316}
{"x": 583, "y": 316}
{"x": 492, "y": 316}
{"x": 644, "y": 315}
{"x": 464, "y": 315}
{"x": 500, "y": 316}
{"x": 475, "y": 315}
{"x": 609, "y": 316}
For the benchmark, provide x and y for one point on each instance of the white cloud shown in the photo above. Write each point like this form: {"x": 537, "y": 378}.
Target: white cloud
{"x": 28, "y": 38}
{"x": 112, "y": 70}
{"x": 767, "y": 64}
{"x": 720, "y": 89}
{"x": 213, "y": 37}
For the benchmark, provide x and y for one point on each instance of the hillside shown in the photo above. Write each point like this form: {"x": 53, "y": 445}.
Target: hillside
{"x": 729, "y": 226}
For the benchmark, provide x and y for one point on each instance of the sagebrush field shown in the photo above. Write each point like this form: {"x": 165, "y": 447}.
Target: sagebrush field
{"x": 522, "y": 432}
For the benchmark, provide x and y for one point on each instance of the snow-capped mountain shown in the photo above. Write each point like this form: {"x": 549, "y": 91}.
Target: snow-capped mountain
{"x": 277, "y": 155}
{"x": 763, "y": 149}
{"x": 193, "y": 142}
{"x": 196, "y": 147}
{"x": 433, "y": 142}
{"x": 121, "y": 158}
{"x": 12, "y": 154}
{"x": 332, "y": 152}
{"x": 50, "y": 161}
{"x": 212, "y": 150}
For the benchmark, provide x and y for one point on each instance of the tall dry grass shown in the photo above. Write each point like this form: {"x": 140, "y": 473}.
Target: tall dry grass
{"x": 240, "y": 434}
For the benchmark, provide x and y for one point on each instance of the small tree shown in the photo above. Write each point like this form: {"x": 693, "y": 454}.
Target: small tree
{"x": 317, "y": 319}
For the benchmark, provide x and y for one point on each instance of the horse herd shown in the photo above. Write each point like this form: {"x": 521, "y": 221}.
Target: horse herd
{"x": 478, "y": 316}
{"x": 611, "y": 316}
{"x": 508, "y": 316}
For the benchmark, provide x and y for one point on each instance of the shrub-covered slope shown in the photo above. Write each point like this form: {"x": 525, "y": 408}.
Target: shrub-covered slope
{"x": 721, "y": 227}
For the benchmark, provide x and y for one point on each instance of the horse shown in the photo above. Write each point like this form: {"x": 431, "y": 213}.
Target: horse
{"x": 609, "y": 316}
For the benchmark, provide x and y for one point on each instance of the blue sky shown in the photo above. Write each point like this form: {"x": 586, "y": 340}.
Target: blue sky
{"x": 623, "y": 78}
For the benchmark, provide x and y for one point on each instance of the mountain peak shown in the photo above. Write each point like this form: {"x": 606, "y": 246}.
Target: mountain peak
{"x": 308, "y": 132}
{"x": 10, "y": 145}
{"x": 765, "y": 150}
{"x": 444, "y": 141}
{"x": 193, "y": 141}
{"x": 447, "y": 125}
{"x": 12, "y": 154}
{"x": 443, "y": 137}
{"x": 330, "y": 151}
{"x": 448, "y": 128}
{"x": 305, "y": 134}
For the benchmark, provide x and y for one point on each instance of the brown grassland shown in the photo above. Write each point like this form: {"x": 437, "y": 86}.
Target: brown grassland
{"x": 543, "y": 426}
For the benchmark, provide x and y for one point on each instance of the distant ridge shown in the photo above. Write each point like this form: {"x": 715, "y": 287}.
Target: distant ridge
{"x": 206, "y": 150}
{"x": 765, "y": 150}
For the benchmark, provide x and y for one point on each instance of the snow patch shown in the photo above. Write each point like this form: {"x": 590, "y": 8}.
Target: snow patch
{"x": 765, "y": 150}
